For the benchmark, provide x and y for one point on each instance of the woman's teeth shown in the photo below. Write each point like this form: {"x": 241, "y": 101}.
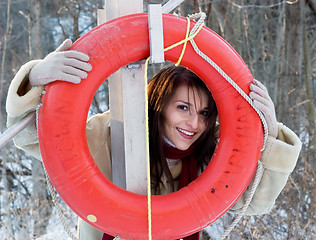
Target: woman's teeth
{"x": 185, "y": 132}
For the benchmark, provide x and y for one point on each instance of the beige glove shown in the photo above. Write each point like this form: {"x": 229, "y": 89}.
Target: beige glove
{"x": 261, "y": 99}
{"x": 63, "y": 65}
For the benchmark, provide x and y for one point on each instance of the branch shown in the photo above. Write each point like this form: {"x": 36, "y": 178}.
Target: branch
{"x": 311, "y": 6}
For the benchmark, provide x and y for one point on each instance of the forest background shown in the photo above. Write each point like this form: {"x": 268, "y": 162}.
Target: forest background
{"x": 276, "y": 39}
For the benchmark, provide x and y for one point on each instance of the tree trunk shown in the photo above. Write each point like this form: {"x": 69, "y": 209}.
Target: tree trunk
{"x": 6, "y": 222}
{"x": 290, "y": 79}
{"x": 6, "y": 217}
{"x": 289, "y": 109}
{"x": 75, "y": 15}
{"x": 35, "y": 29}
{"x": 41, "y": 206}
{"x": 310, "y": 106}
{"x": 277, "y": 54}
{"x": 3, "y": 64}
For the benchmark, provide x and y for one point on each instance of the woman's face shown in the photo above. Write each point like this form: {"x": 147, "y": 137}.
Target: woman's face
{"x": 185, "y": 116}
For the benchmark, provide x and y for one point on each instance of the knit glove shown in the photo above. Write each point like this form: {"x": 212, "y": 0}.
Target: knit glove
{"x": 70, "y": 66}
{"x": 261, "y": 99}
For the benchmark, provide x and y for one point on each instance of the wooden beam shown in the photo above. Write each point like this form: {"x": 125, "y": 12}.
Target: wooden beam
{"x": 127, "y": 106}
{"x": 155, "y": 33}
{"x": 170, "y": 5}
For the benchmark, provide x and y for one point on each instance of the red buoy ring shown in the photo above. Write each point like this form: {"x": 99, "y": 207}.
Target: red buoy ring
{"x": 62, "y": 122}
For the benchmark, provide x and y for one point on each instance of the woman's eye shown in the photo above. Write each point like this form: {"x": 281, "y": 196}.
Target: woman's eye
{"x": 204, "y": 113}
{"x": 182, "y": 107}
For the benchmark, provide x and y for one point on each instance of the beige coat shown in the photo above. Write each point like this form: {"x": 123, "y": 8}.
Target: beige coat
{"x": 278, "y": 159}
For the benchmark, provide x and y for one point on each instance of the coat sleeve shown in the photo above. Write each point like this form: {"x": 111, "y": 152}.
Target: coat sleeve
{"x": 19, "y": 105}
{"x": 97, "y": 130}
{"x": 279, "y": 159}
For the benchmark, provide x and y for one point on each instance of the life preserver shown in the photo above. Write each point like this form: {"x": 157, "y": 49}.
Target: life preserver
{"x": 62, "y": 122}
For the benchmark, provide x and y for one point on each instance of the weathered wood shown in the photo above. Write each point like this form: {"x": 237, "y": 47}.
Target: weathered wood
{"x": 155, "y": 33}
{"x": 170, "y": 5}
{"x": 133, "y": 89}
{"x": 127, "y": 105}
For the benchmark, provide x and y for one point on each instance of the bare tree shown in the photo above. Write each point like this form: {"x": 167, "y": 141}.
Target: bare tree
{"x": 42, "y": 207}
{"x": 5, "y": 223}
{"x": 4, "y": 51}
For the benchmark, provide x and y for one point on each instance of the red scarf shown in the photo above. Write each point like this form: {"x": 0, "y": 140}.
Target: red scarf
{"x": 189, "y": 170}
{"x": 188, "y": 174}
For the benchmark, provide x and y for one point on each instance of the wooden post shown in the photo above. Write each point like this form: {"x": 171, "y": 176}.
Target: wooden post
{"x": 155, "y": 33}
{"x": 127, "y": 106}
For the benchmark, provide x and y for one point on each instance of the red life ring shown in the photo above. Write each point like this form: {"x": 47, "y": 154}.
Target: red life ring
{"x": 62, "y": 122}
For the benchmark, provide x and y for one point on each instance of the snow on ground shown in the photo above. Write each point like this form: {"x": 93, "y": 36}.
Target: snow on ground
{"x": 55, "y": 229}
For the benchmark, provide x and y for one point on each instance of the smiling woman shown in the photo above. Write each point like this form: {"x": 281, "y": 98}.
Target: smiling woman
{"x": 182, "y": 116}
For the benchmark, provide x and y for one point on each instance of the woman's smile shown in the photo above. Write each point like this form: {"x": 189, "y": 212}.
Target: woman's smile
{"x": 186, "y": 133}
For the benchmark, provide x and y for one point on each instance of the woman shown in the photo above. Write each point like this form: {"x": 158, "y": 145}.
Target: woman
{"x": 182, "y": 117}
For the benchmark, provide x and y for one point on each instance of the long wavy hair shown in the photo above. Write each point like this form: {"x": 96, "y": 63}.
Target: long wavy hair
{"x": 160, "y": 90}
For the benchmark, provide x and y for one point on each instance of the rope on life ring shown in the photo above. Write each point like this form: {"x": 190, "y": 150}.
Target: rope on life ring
{"x": 62, "y": 121}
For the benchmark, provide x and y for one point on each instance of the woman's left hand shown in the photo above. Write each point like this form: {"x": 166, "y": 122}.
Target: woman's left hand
{"x": 261, "y": 99}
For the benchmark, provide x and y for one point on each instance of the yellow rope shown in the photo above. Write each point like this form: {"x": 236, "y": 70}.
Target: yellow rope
{"x": 147, "y": 157}
{"x": 184, "y": 41}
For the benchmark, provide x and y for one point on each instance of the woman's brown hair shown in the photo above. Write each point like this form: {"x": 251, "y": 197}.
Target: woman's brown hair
{"x": 160, "y": 90}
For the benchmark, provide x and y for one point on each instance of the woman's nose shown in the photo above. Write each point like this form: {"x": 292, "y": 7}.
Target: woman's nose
{"x": 193, "y": 120}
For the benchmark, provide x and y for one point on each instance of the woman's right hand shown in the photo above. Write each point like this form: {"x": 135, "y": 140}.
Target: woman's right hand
{"x": 70, "y": 66}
